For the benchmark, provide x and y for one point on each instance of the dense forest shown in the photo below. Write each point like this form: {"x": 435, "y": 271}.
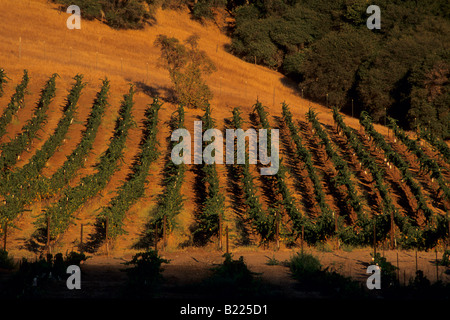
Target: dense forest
{"x": 401, "y": 70}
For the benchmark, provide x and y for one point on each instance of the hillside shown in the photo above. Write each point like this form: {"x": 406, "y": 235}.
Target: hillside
{"x": 34, "y": 36}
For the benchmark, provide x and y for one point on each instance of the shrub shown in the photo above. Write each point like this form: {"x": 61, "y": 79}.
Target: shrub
{"x": 308, "y": 271}
{"x": 130, "y": 14}
{"x": 6, "y": 261}
{"x": 232, "y": 278}
{"x": 304, "y": 265}
{"x": 33, "y": 279}
{"x": 187, "y": 65}
{"x": 388, "y": 271}
{"x": 145, "y": 275}
{"x": 445, "y": 261}
{"x": 234, "y": 272}
{"x": 90, "y": 9}
{"x": 203, "y": 9}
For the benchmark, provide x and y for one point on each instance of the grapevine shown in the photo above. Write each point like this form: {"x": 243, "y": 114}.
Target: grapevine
{"x": 437, "y": 225}
{"x": 39, "y": 187}
{"x": 343, "y": 173}
{"x": 395, "y": 159}
{"x": 213, "y": 203}
{"x": 439, "y": 145}
{"x": 61, "y": 212}
{"x": 287, "y": 201}
{"x": 262, "y": 222}
{"x": 11, "y": 150}
{"x": 17, "y": 102}
{"x": 426, "y": 163}
{"x": 133, "y": 187}
{"x": 170, "y": 200}
{"x": 325, "y": 225}
{"x": 17, "y": 185}
{"x": 366, "y": 160}
{"x": 24, "y": 176}
{"x": 3, "y": 81}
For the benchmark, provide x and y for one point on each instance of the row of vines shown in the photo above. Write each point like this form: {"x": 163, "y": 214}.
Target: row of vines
{"x": 275, "y": 215}
{"x": 56, "y": 217}
{"x": 18, "y": 187}
{"x": 134, "y": 185}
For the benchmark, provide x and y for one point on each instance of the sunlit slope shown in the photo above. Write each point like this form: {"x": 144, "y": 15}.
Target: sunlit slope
{"x": 34, "y": 36}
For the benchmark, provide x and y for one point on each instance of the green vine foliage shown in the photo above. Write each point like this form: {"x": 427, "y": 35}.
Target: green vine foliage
{"x": 287, "y": 201}
{"x": 61, "y": 213}
{"x": 368, "y": 162}
{"x": 324, "y": 226}
{"x": 357, "y": 233}
{"x": 16, "y": 185}
{"x": 78, "y": 157}
{"x": 17, "y": 101}
{"x": 13, "y": 148}
{"x": 133, "y": 187}
{"x": 3, "y": 81}
{"x": 438, "y": 145}
{"x": 213, "y": 202}
{"x": 44, "y": 188}
{"x": 170, "y": 201}
{"x": 415, "y": 236}
{"x": 426, "y": 163}
{"x": 344, "y": 176}
{"x": 395, "y": 159}
{"x": 31, "y": 170}
{"x": 261, "y": 220}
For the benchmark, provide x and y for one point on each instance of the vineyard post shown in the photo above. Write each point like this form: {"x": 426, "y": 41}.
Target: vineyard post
{"x": 156, "y": 237}
{"x": 164, "y": 231}
{"x": 374, "y": 239}
{"x": 303, "y": 236}
{"x": 5, "y": 230}
{"x": 398, "y": 269}
{"x": 220, "y": 232}
{"x": 226, "y": 235}
{"x": 107, "y": 236}
{"x": 416, "y": 260}
{"x": 437, "y": 266}
{"x": 277, "y": 230}
{"x": 81, "y": 238}
{"x": 336, "y": 230}
{"x": 392, "y": 230}
{"x": 404, "y": 277}
{"x": 48, "y": 234}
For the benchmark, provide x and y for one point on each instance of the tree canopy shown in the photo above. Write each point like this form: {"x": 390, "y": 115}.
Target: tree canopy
{"x": 401, "y": 70}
